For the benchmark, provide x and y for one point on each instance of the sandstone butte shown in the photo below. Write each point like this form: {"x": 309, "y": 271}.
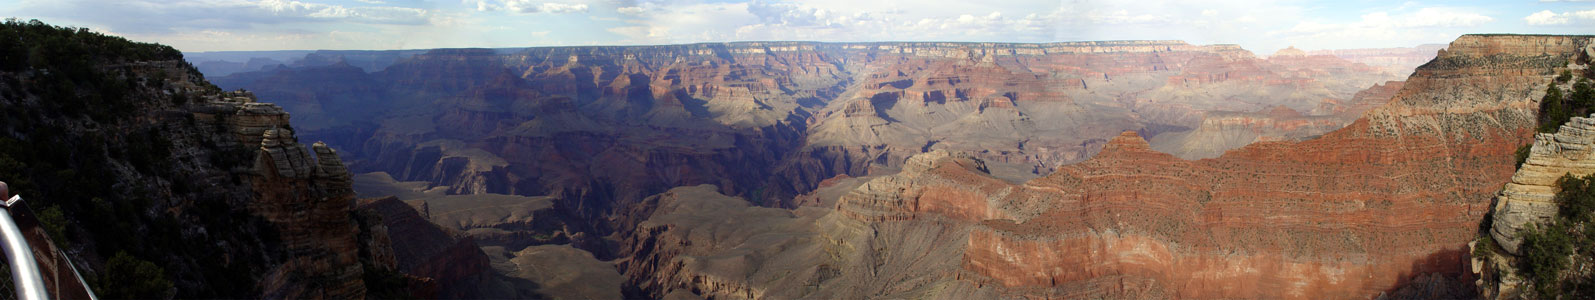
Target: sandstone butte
{"x": 1365, "y": 210}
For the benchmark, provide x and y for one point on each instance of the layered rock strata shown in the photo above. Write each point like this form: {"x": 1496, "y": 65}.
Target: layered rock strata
{"x": 1396, "y": 194}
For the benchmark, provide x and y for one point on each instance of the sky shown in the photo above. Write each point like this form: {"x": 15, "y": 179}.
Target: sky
{"x": 1260, "y": 26}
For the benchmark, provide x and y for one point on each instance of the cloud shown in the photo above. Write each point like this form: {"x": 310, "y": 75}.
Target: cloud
{"x": 528, "y": 6}
{"x": 1386, "y": 25}
{"x": 1123, "y": 16}
{"x": 315, "y": 11}
{"x": 667, "y": 21}
{"x": 1401, "y": 27}
{"x": 175, "y": 16}
{"x": 630, "y": 10}
{"x": 560, "y": 8}
{"x": 1547, "y": 17}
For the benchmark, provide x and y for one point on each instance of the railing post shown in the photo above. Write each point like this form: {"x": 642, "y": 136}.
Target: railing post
{"x": 24, "y": 269}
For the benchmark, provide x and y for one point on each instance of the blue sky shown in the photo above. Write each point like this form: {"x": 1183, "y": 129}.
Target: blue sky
{"x": 1260, "y": 26}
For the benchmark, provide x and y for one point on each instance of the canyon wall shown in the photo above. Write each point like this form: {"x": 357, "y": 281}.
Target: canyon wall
{"x": 1392, "y": 199}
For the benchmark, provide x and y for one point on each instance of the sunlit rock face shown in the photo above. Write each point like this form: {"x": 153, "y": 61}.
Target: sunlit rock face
{"x": 1530, "y": 198}
{"x": 1392, "y": 199}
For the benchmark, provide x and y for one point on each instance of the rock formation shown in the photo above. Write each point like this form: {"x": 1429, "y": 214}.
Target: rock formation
{"x": 1530, "y": 201}
{"x": 312, "y": 213}
{"x": 1530, "y": 197}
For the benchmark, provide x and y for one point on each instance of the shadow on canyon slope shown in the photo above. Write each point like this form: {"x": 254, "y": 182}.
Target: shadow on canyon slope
{"x": 1441, "y": 275}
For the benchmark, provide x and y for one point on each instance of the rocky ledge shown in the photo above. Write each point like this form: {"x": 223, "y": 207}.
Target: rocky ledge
{"x": 1530, "y": 197}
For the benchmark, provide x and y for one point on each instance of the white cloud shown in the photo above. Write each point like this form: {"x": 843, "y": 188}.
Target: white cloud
{"x": 297, "y": 9}
{"x": 564, "y": 8}
{"x": 630, "y": 10}
{"x": 1547, "y": 17}
{"x": 1124, "y": 17}
{"x": 650, "y": 22}
{"x": 529, "y": 6}
{"x": 191, "y": 15}
{"x": 1399, "y": 28}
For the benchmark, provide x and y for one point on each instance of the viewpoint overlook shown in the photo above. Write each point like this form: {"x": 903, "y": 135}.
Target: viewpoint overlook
{"x": 1411, "y": 163}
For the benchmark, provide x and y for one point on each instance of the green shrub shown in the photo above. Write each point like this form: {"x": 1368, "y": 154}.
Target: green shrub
{"x": 1565, "y": 76}
{"x": 128, "y": 277}
{"x": 1577, "y": 198}
{"x": 1522, "y": 154}
{"x": 1546, "y": 250}
{"x": 1553, "y": 111}
{"x": 54, "y": 222}
{"x": 1583, "y": 95}
{"x": 1484, "y": 247}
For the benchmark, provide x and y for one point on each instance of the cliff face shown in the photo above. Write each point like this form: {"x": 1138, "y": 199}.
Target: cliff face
{"x": 1397, "y": 193}
{"x": 1534, "y": 202}
{"x": 1530, "y": 197}
{"x": 159, "y": 185}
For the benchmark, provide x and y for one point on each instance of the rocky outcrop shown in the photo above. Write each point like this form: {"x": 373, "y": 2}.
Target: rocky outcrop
{"x": 1530, "y": 197}
{"x": 311, "y": 207}
{"x": 238, "y": 114}
{"x": 155, "y": 178}
{"x": 423, "y": 249}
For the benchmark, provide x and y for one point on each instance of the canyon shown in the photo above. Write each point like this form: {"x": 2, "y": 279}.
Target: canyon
{"x": 1128, "y": 169}
{"x": 1376, "y": 208}
{"x": 770, "y": 121}
{"x": 579, "y": 138}
{"x": 802, "y": 170}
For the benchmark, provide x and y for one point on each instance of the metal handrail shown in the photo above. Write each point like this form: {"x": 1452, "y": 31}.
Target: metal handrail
{"x": 35, "y": 262}
{"x": 24, "y": 269}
